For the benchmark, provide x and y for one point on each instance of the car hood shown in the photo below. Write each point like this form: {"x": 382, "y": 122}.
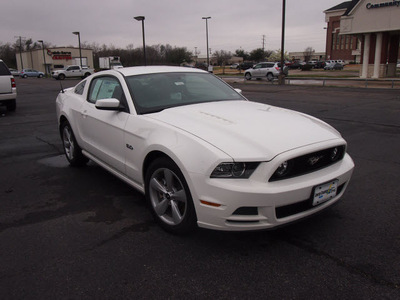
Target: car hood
{"x": 248, "y": 130}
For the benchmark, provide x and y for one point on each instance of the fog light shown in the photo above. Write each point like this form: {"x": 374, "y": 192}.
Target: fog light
{"x": 334, "y": 154}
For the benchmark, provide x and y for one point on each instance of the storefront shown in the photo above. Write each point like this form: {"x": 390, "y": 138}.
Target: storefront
{"x": 48, "y": 59}
{"x": 372, "y": 27}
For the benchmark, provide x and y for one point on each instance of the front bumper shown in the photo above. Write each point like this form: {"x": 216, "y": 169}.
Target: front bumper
{"x": 255, "y": 203}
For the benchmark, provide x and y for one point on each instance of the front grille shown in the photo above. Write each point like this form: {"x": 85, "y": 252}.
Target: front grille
{"x": 295, "y": 208}
{"x": 310, "y": 162}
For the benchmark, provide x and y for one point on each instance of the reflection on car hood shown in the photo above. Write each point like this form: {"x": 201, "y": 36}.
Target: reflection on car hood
{"x": 245, "y": 129}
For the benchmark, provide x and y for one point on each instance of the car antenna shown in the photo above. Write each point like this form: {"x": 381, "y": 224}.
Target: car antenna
{"x": 62, "y": 89}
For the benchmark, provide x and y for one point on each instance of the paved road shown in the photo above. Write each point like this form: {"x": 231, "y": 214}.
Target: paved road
{"x": 69, "y": 233}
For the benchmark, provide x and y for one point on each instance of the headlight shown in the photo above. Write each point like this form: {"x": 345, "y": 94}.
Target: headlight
{"x": 234, "y": 170}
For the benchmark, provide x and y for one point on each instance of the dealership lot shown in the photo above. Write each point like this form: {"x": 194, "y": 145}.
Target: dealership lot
{"x": 82, "y": 233}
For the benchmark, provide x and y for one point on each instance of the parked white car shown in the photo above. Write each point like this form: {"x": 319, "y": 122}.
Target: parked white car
{"x": 270, "y": 70}
{"x": 201, "y": 153}
{"x": 8, "y": 88}
{"x": 71, "y": 72}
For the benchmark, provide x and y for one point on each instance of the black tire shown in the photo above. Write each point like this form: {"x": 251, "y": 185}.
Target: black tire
{"x": 40, "y": 76}
{"x": 11, "y": 105}
{"x": 24, "y": 76}
{"x": 270, "y": 76}
{"x": 72, "y": 151}
{"x": 61, "y": 76}
{"x": 169, "y": 198}
{"x": 87, "y": 74}
{"x": 247, "y": 76}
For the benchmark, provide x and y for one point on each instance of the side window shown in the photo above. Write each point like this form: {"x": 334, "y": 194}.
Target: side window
{"x": 258, "y": 66}
{"x": 80, "y": 87}
{"x": 269, "y": 65}
{"x": 104, "y": 88}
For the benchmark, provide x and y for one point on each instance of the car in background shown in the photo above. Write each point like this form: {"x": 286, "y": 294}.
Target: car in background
{"x": 14, "y": 72}
{"x": 234, "y": 66}
{"x": 319, "y": 65}
{"x": 200, "y": 152}
{"x": 8, "y": 88}
{"x": 333, "y": 66}
{"x": 30, "y": 73}
{"x": 293, "y": 65}
{"x": 270, "y": 70}
{"x": 246, "y": 65}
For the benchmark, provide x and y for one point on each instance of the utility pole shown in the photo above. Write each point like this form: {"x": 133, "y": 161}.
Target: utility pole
{"x": 20, "y": 49}
{"x": 263, "y": 42}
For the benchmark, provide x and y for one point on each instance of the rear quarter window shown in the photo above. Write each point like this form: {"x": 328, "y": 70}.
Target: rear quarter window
{"x": 3, "y": 69}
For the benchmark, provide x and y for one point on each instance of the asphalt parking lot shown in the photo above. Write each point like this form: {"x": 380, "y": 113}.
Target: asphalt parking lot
{"x": 68, "y": 233}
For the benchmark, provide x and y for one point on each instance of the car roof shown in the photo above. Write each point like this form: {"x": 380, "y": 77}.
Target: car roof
{"x": 130, "y": 71}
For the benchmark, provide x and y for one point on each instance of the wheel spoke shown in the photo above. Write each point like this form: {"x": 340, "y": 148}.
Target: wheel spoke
{"x": 161, "y": 207}
{"x": 169, "y": 178}
{"x": 156, "y": 185}
{"x": 176, "y": 214}
{"x": 180, "y": 196}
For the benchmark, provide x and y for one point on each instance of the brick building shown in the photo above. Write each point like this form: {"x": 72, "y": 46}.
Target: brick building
{"x": 365, "y": 31}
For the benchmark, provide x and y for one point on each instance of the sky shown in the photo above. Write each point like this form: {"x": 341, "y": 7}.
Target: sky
{"x": 234, "y": 24}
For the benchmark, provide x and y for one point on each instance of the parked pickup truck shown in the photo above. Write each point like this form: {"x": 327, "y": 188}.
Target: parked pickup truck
{"x": 72, "y": 71}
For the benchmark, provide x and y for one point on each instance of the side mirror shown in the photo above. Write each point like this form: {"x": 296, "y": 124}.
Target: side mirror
{"x": 108, "y": 104}
{"x": 239, "y": 91}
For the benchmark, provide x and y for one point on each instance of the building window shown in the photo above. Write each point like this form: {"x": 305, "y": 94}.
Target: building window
{"x": 337, "y": 42}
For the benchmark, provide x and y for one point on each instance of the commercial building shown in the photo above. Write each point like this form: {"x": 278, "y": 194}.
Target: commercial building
{"x": 47, "y": 59}
{"x": 367, "y": 32}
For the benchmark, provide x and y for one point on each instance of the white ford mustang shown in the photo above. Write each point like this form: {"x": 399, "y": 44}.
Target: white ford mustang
{"x": 201, "y": 153}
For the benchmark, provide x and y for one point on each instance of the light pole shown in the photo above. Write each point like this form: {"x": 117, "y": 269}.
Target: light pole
{"x": 79, "y": 40}
{"x": 44, "y": 57}
{"x": 141, "y": 18}
{"x": 282, "y": 75}
{"x": 208, "y": 55}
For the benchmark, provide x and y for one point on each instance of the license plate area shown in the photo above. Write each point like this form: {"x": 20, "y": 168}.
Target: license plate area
{"x": 324, "y": 192}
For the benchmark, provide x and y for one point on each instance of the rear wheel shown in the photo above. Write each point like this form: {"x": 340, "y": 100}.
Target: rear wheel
{"x": 87, "y": 74}
{"x": 247, "y": 76}
{"x": 72, "y": 150}
{"x": 24, "y": 76}
{"x": 11, "y": 105}
{"x": 270, "y": 76}
{"x": 40, "y": 75}
{"x": 169, "y": 197}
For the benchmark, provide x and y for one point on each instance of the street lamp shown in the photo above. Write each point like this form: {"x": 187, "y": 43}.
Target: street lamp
{"x": 79, "y": 40}
{"x": 44, "y": 57}
{"x": 208, "y": 56}
{"x": 141, "y": 18}
{"x": 282, "y": 75}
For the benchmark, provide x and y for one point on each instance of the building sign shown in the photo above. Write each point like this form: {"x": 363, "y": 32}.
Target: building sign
{"x": 383, "y": 4}
{"x": 59, "y": 54}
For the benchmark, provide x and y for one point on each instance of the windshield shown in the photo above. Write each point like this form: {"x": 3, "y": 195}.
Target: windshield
{"x": 155, "y": 92}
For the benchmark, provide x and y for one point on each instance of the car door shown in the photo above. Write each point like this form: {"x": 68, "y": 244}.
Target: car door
{"x": 72, "y": 71}
{"x": 102, "y": 131}
{"x": 258, "y": 70}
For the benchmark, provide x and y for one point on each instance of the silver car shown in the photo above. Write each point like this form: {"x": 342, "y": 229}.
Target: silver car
{"x": 270, "y": 70}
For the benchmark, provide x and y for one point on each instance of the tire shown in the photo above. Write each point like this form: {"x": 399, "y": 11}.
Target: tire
{"x": 11, "y": 105}
{"x": 24, "y": 76}
{"x": 40, "y": 76}
{"x": 169, "y": 198}
{"x": 72, "y": 151}
{"x": 61, "y": 76}
{"x": 247, "y": 76}
{"x": 87, "y": 74}
{"x": 270, "y": 76}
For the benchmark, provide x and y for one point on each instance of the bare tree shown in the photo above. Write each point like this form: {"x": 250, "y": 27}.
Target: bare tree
{"x": 308, "y": 53}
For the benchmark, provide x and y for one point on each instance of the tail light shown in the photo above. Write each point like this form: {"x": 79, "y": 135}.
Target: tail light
{"x": 277, "y": 68}
{"x": 13, "y": 85}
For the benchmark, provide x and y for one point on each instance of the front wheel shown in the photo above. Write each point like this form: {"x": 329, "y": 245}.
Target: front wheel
{"x": 169, "y": 197}
{"x": 72, "y": 150}
{"x": 247, "y": 76}
{"x": 61, "y": 76}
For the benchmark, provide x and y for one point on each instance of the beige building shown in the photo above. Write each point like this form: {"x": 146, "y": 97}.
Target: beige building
{"x": 53, "y": 58}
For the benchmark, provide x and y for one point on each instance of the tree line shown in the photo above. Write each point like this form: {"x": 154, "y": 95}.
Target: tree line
{"x": 131, "y": 56}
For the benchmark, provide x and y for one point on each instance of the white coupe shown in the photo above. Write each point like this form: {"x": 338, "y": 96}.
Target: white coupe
{"x": 202, "y": 153}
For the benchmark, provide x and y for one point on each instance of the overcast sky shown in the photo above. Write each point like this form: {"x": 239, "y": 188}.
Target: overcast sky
{"x": 234, "y": 24}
